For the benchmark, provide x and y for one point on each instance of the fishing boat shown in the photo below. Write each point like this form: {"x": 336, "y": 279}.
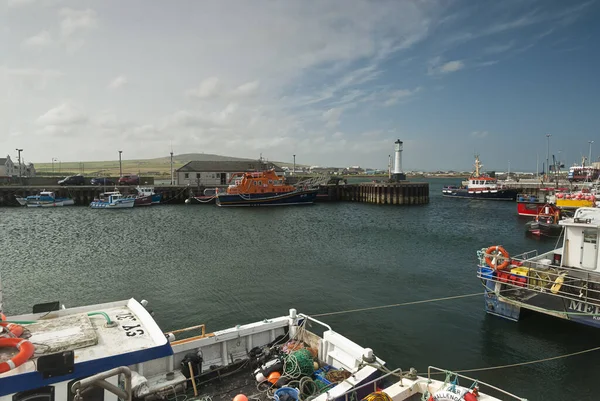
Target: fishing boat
{"x": 529, "y": 205}
{"x": 264, "y": 188}
{"x": 577, "y": 199}
{"x": 480, "y": 186}
{"x": 116, "y": 351}
{"x": 45, "y": 199}
{"x": 564, "y": 282}
{"x": 545, "y": 224}
{"x": 149, "y": 192}
{"x": 112, "y": 200}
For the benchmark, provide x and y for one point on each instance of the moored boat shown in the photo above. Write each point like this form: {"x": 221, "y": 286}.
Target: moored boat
{"x": 112, "y": 200}
{"x": 564, "y": 282}
{"x": 529, "y": 205}
{"x": 45, "y": 199}
{"x": 116, "y": 350}
{"x": 149, "y": 192}
{"x": 481, "y": 187}
{"x": 574, "y": 200}
{"x": 263, "y": 188}
{"x": 545, "y": 224}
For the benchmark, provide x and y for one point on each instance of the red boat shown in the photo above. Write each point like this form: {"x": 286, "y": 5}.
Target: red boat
{"x": 529, "y": 205}
{"x": 143, "y": 200}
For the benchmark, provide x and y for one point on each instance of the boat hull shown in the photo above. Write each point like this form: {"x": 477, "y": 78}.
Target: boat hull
{"x": 126, "y": 204}
{"x": 568, "y": 309}
{"x": 574, "y": 203}
{"x": 542, "y": 229}
{"x": 156, "y": 198}
{"x": 529, "y": 209}
{"x": 485, "y": 194}
{"x": 143, "y": 200}
{"x": 56, "y": 203}
{"x": 268, "y": 199}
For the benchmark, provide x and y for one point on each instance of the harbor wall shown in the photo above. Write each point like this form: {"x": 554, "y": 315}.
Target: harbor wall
{"x": 401, "y": 193}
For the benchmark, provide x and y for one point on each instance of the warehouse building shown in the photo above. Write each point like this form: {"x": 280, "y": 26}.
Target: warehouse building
{"x": 214, "y": 173}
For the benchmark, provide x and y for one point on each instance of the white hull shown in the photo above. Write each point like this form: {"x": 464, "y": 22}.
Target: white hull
{"x": 119, "y": 205}
{"x": 66, "y": 202}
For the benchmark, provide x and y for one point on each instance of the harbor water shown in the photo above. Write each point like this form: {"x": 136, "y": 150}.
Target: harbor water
{"x": 227, "y": 266}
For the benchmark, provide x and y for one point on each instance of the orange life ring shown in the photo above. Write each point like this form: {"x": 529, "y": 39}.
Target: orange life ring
{"x": 25, "y": 348}
{"x": 492, "y": 253}
{"x": 15, "y": 329}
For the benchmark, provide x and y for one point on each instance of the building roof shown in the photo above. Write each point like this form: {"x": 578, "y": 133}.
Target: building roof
{"x": 2, "y": 161}
{"x": 233, "y": 166}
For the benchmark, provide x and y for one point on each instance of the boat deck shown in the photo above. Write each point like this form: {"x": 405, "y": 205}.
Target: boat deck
{"x": 86, "y": 332}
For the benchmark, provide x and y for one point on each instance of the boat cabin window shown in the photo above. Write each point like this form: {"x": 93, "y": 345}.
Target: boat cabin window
{"x": 93, "y": 393}
{"x": 39, "y": 394}
{"x": 590, "y": 236}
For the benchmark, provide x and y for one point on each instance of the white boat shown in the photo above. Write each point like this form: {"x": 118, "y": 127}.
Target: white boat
{"x": 112, "y": 200}
{"x": 117, "y": 351}
{"x": 45, "y": 199}
{"x": 564, "y": 282}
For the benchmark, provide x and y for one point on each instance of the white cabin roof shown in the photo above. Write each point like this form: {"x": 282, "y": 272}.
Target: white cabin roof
{"x": 94, "y": 342}
{"x": 584, "y": 216}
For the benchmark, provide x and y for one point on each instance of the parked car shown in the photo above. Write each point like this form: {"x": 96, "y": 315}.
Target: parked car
{"x": 129, "y": 179}
{"x": 102, "y": 181}
{"x": 72, "y": 180}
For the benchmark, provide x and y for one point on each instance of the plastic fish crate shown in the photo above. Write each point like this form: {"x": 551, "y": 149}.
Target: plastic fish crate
{"x": 320, "y": 374}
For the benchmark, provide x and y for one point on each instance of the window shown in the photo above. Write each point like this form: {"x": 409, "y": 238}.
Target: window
{"x": 187, "y": 175}
{"x": 197, "y": 175}
{"x": 39, "y": 394}
{"x": 590, "y": 236}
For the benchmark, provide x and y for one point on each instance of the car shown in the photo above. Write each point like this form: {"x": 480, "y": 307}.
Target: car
{"x": 72, "y": 180}
{"x": 102, "y": 181}
{"x": 130, "y": 179}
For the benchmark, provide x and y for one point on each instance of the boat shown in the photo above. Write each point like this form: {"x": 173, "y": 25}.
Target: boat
{"x": 545, "y": 224}
{"x": 112, "y": 200}
{"x": 149, "y": 192}
{"x": 116, "y": 350}
{"x": 529, "y": 205}
{"x": 45, "y": 199}
{"x": 480, "y": 186}
{"x": 564, "y": 282}
{"x": 577, "y": 199}
{"x": 583, "y": 173}
{"x": 264, "y": 188}
{"x": 141, "y": 200}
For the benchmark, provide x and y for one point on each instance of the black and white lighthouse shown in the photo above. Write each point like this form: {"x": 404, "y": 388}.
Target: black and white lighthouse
{"x": 398, "y": 174}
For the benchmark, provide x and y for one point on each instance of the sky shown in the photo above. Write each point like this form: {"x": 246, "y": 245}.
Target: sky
{"x": 334, "y": 82}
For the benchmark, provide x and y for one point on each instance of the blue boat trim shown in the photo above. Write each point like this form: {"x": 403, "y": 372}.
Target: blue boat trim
{"x": 268, "y": 199}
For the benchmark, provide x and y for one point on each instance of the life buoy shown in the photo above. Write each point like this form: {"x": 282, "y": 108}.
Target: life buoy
{"x": 492, "y": 254}
{"x": 15, "y": 329}
{"x": 25, "y": 348}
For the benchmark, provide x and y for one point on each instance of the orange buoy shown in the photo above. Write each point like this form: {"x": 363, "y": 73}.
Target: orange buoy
{"x": 25, "y": 348}
{"x": 240, "y": 397}
{"x": 492, "y": 254}
{"x": 470, "y": 397}
{"x": 273, "y": 377}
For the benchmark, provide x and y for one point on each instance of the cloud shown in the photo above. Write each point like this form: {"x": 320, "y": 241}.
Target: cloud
{"x": 31, "y": 78}
{"x": 42, "y": 39}
{"x": 64, "y": 115}
{"x": 338, "y": 135}
{"x": 436, "y": 67}
{"x": 396, "y": 95}
{"x": 247, "y": 89}
{"x": 19, "y": 3}
{"x": 118, "y": 82}
{"x": 479, "y": 134}
{"x": 332, "y": 117}
{"x": 76, "y": 21}
{"x": 208, "y": 88}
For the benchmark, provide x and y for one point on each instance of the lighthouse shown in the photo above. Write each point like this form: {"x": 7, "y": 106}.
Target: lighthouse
{"x": 398, "y": 175}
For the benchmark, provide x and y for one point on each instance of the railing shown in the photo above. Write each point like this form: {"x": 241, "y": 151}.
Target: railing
{"x": 203, "y": 334}
{"x": 79, "y": 387}
{"x": 568, "y": 283}
{"x": 438, "y": 370}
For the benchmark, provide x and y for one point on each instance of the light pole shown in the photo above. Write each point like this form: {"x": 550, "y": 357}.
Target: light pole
{"x": 547, "y": 156}
{"x": 171, "y": 167}
{"x": 590, "y": 156}
{"x": 508, "y": 174}
{"x": 294, "y": 169}
{"x": 19, "y": 160}
{"x": 120, "y": 165}
{"x": 53, "y": 160}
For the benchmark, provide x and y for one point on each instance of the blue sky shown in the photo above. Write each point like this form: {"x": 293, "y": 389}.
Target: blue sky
{"x": 334, "y": 82}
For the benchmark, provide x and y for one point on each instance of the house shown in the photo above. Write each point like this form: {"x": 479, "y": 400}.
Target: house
{"x": 7, "y": 168}
{"x": 212, "y": 173}
{"x": 28, "y": 170}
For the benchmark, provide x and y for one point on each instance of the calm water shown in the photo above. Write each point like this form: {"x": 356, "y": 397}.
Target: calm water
{"x": 203, "y": 264}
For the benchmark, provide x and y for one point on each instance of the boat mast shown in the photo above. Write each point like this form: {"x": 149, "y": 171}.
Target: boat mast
{"x": 477, "y": 165}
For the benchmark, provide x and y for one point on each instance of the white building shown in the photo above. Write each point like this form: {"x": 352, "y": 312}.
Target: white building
{"x": 7, "y": 168}
{"x": 213, "y": 173}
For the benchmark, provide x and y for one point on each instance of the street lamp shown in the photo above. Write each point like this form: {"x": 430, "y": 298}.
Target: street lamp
{"x": 19, "y": 159}
{"x": 120, "y": 165}
{"x": 590, "y": 156}
{"x": 548, "y": 155}
{"x": 294, "y": 169}
{"x": 54, "y": 159}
